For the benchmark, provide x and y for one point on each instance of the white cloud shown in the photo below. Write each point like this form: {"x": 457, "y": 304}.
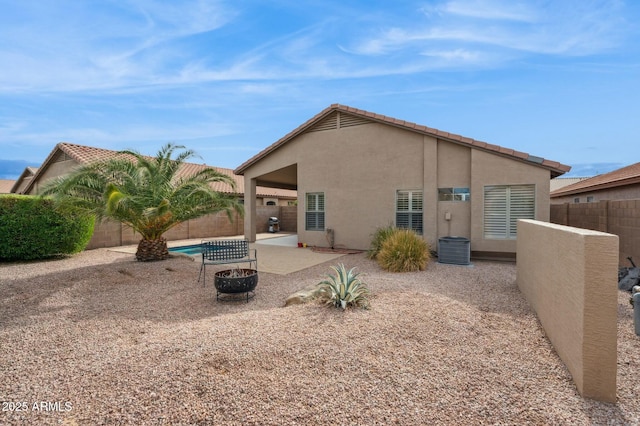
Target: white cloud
{"x": 511, "y": 10}
{"x": 556, "y": 28}
{"x": 81, "y": 46}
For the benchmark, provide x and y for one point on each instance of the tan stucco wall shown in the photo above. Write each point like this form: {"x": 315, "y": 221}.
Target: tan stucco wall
{"x": 360, "y": 168}
{"x": 454, "y": 171}
{"x": 568, "y": 275}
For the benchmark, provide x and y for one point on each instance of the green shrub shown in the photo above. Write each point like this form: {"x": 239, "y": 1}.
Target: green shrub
{"x": 344, "y": 288}
{"x": 379, "y": 237}
{"x": 404, "y": 251}
{"x": 31, "y": 228}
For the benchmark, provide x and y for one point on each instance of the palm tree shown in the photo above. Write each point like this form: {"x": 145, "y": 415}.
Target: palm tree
{"x": 147, "y": 194}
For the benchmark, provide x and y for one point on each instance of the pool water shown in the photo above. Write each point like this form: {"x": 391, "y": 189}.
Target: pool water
{"x": 190, "y": 250}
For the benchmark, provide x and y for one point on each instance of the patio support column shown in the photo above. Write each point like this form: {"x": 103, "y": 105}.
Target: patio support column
{"x": 250, "y": 209}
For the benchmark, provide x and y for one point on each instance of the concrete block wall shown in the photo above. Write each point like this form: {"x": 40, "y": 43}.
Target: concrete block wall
{"x": 619, "y": 217}
{"x": 289, "y": 218}
{"x": 624, "y": 221}
{"x": 113, "y": 234}
{"x": 569, "y": 275}
{"x": 263, "y": 213}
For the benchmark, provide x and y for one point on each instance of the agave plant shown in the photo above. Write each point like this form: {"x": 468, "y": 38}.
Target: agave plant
{"x": 344, "y": 288}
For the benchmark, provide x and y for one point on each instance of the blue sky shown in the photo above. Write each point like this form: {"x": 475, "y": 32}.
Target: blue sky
{"x": 557, "y": 79}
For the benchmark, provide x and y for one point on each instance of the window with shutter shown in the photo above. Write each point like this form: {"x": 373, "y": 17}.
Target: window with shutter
{"x": 409, "y": 205}
{"x": 314, "y": 213}
{"x": 503, "y": 206}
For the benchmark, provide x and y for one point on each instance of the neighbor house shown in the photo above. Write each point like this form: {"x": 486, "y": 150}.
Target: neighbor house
{"x": 561, "y": 182}
{"x": 6, "y": 185}
{"x": 621, "y": 184}
{"x": 356, "y": 171}
{"x": 66, "y": 156}
{"x": 23, "y": 180}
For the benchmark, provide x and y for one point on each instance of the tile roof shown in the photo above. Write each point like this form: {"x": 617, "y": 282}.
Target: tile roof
{"x": 87, "y": 154}
{"x": 625, "y": 176}
{"x": 556, "y": 168}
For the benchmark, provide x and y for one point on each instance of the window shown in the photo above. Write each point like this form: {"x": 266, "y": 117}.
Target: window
{"x": 576, "y": 200}
{"x": 314, "y": 215}
{"x": 454, "y": 194}
{"x": 503, "y": 206}
{"x": 590, "y": 199}
{"x": 271, "y": 203}
{"x": 409, "y": 210}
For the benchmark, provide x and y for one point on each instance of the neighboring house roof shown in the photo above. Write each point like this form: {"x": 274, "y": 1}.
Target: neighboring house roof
{"x": 622, "y": 177}
{"x": 554, "y": 167}
{"x": 28, "y": 172}
{"x": 6, "y": 185}
{"x": 87, "y": 154}
{"x": 561, "y": 182}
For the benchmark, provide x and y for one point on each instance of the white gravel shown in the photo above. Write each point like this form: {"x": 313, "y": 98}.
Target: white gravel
{"x": 102, "y": 339}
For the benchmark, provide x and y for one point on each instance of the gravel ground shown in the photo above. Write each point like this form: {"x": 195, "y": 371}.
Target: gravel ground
{"x": 102, "y": 339}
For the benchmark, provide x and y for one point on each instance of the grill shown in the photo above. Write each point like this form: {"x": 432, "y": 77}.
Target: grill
{"x": 274, "y": 224}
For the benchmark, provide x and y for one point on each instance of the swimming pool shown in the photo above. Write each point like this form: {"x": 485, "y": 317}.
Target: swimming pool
{"x": 191, "y": 250}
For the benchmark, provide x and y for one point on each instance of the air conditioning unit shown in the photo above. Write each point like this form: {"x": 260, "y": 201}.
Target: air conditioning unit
{"x": 454, "y": 250}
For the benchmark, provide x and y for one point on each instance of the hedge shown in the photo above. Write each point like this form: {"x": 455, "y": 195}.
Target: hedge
{"x": 31, "y": 228}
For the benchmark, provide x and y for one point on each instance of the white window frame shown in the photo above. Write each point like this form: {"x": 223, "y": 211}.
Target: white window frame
{"x": 503, "y": 206}
{"x": 409, "y": 213}
{"x": 454, "y": 194}
{"x": 314, "y": 217}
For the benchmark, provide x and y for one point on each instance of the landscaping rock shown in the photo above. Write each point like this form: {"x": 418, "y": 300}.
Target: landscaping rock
{"x": 302, "y": 296}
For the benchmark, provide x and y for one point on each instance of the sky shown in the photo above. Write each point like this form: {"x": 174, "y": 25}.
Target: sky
{"x": 558, "y": 79}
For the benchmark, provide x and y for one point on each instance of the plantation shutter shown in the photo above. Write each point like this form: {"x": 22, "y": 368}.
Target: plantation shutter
{"x": 521, "y": 206}
{"x": 409, "y": 206}
{"x": 503, "y": 206}
{"x": 314, "y": 217}
{"x": 495, "y": 211}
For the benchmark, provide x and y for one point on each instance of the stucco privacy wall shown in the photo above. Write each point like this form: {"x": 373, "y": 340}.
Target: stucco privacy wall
{"x": 568, "y": 275}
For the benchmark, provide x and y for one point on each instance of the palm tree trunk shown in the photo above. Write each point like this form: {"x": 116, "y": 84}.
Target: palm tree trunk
{"x": 152, "y": 250}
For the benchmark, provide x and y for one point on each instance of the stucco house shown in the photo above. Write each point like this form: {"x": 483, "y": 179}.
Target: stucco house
{"x": 356, "y": 171}
{"x": 620, "y": 184}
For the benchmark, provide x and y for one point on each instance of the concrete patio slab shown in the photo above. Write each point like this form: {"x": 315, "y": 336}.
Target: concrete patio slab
{"x": 277, "y": 253}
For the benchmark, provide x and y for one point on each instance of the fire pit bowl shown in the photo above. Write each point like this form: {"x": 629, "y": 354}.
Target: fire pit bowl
{"x": 233, "y": 282}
